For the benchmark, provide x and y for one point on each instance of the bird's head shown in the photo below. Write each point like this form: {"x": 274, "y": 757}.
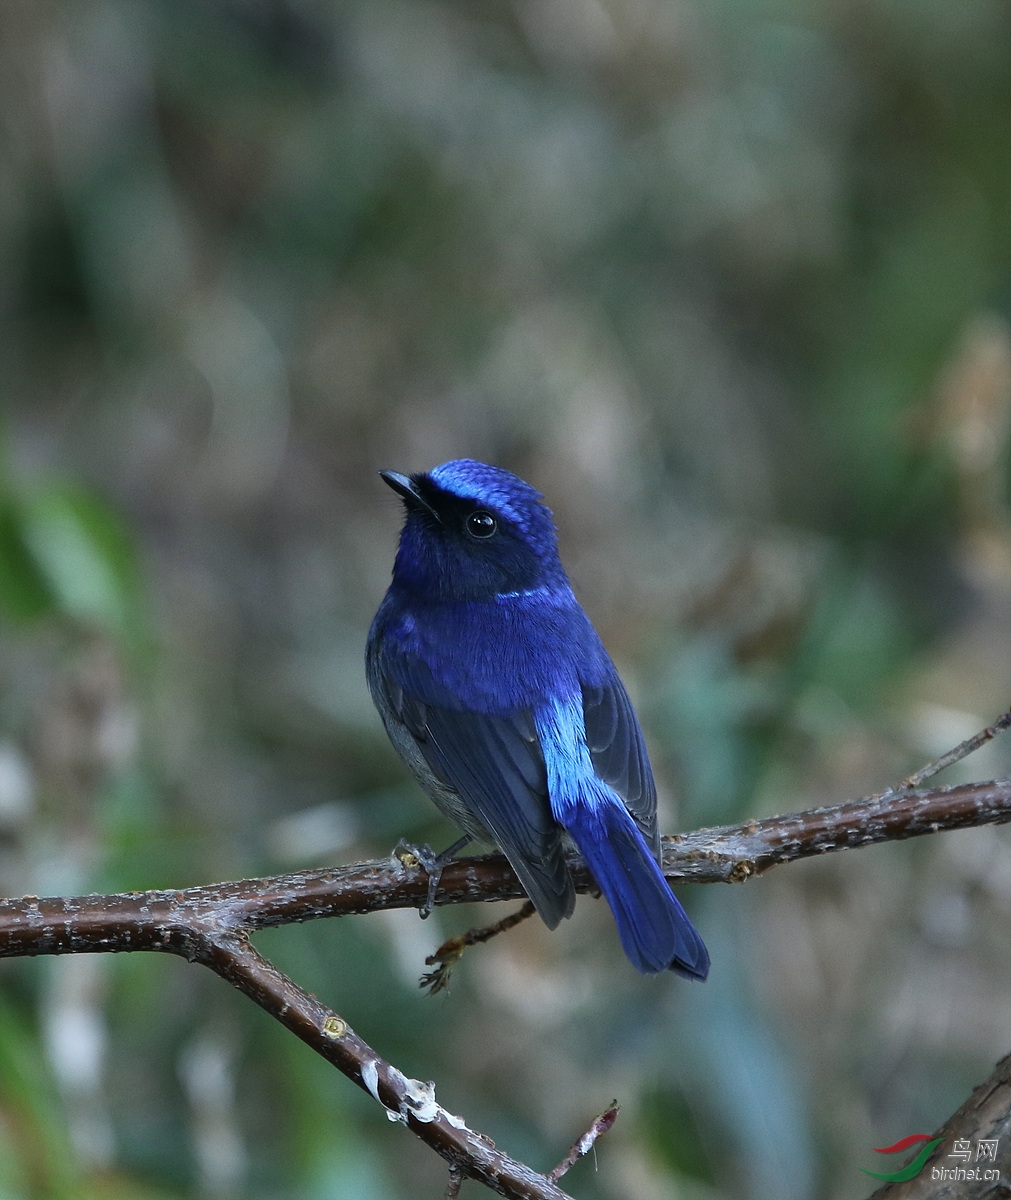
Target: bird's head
{"x": 473, "y": 532}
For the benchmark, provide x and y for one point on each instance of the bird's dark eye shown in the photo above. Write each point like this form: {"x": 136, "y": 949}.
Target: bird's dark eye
{"x": 481, "y": 524}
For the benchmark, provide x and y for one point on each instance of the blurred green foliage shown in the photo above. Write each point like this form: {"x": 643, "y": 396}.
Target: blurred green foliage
{"x": 730, "y": 283}
{"x": 66, "y": 555}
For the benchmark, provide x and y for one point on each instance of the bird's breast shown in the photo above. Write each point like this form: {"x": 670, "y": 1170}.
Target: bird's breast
{"x": 494, "y": 656}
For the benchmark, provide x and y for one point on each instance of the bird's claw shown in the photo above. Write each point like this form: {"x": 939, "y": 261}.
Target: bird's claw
{"x": 432, "y": 864}
{"x": 433, "y": 886}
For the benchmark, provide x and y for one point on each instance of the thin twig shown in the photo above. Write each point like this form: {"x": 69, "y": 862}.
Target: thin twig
{"x": 599, "y": 1126}
{"x": 962, "y": 750}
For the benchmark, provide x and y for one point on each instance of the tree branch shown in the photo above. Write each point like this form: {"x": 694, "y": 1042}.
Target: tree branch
{"x": 582, "y": 1146}
{"x": 166, "y": 920}
{"x": 732, "y": 853}
{"x": 210, "y": 925}
{"x": 409, "y": 1101}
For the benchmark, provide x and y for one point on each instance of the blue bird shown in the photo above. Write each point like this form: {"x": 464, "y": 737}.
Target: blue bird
{"x": 497, "y": 692}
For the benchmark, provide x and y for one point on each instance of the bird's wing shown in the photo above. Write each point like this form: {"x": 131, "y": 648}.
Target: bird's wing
{"x": 496, "y": 766}
{"x": 618, "y": 751}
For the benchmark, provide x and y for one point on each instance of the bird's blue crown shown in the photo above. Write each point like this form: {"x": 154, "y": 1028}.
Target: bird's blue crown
{"x": 496, "y": 488}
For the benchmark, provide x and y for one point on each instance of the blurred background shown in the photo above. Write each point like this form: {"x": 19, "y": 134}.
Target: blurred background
{"x": 730, "y": 282}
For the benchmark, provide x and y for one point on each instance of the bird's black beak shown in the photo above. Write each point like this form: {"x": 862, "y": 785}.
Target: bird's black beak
{"x": 407, "y": 488}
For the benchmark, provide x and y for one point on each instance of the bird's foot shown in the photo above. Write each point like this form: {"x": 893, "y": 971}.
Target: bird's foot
{"x": 451, "y": 951}
{"x": 432, "y": 863}
{"x": 426, "y": 858}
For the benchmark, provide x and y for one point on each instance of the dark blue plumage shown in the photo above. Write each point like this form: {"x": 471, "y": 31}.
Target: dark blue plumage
{"x": 499, "y": 695}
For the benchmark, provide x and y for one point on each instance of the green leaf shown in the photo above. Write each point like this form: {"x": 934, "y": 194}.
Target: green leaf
{"x": 83, "y": 555}
{"x": 24, "y": 592}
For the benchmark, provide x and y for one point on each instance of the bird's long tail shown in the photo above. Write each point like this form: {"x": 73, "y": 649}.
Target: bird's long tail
{"x": 655, "y": 931}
